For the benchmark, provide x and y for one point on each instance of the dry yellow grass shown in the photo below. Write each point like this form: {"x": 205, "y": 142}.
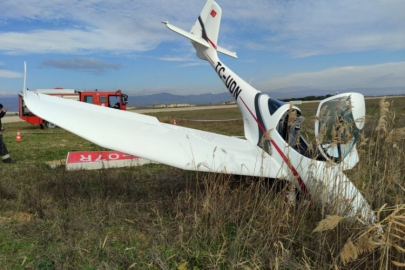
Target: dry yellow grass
{"x": 329, "y": 223}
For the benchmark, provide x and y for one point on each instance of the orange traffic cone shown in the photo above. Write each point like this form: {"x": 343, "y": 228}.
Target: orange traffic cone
{"x": 174, "y": 122}
{"x": 18, "y": 138}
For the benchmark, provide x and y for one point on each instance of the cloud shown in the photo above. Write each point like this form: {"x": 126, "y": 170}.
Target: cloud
{"x": 298, "y": 28}
{"x": 71, "y": 41}
{"x": 8, "y": 93}
{"x": 176, "y": 59}
{"x": 194, "y": 64}
{"x": 91, "y": 65}
{"x": 191, "y": 62}
{"x": 73, "y": 27}
{"x": 382, "y": 75}
{"x": 9, "y": 74}
{"x": 312, "y": 27}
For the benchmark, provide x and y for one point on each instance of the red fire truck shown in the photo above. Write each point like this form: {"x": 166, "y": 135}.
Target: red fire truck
{"x": 116, "y": 100}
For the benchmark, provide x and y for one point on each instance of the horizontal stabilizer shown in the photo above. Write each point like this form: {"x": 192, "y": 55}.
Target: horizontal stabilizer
{"x": 227, "y": 52}
{"x": 187, "y": 34}
{"x": 197, "y": 39}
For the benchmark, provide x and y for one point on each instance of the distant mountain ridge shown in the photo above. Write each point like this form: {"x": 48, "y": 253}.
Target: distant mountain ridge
{"x": 367, "y": 92}
{"x": 166, "y": 99}
{"x": 204, "y": 99}
{"x": 11, "y": 102}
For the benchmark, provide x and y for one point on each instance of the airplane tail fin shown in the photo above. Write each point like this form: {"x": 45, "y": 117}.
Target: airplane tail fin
{"x": 207, "y": 24}
{"x": 204, "y": 33}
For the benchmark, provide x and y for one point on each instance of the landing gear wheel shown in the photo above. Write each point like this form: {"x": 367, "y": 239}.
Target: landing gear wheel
{"x": 50, "y": 125}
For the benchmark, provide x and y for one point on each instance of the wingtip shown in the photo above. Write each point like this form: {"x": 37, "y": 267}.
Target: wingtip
{"x": 25, "y": 79}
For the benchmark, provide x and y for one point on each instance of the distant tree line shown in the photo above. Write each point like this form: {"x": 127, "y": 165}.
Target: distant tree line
{"x": 307, "y": 98}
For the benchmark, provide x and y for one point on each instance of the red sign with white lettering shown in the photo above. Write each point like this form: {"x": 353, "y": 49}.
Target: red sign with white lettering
{"x": 94, "y": 156}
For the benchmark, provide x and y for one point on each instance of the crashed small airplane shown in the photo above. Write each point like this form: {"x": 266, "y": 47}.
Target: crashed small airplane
{"x": 272, "y": 148}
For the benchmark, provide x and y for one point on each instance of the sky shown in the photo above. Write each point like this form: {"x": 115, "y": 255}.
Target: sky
{"x": 282, "y": 45}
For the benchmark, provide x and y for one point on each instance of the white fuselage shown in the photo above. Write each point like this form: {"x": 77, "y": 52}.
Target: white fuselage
{"x": 311, "y": 176}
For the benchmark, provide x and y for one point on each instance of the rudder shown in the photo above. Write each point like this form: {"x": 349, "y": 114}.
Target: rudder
{"x": 208, "y": 23}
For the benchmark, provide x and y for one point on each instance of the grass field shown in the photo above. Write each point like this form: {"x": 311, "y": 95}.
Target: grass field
{"x": 158, "y": 217}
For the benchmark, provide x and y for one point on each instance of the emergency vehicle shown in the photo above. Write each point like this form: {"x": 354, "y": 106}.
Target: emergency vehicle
{"x": 113, "y": 99}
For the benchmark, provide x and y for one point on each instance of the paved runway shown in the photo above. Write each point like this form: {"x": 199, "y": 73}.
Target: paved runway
{"x": 10, "y": 119}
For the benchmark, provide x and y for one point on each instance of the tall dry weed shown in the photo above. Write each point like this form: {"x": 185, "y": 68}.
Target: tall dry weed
{"x": 250, "y": 224}
{"x": 382, "y": 126}
{"x": 384, "y": 241}
{"x": 380, "y": 177}
{"x": 329, "y": 223}
{"x": 382, "y": 160}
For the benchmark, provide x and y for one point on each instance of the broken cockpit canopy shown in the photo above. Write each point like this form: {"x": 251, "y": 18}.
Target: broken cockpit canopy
{"x": 337, "y": 129}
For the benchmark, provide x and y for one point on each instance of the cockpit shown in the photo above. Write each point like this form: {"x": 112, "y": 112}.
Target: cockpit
{"x": 337, "y": 128}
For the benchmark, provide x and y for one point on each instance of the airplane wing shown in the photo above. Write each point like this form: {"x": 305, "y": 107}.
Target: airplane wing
{"x": 145, "y": 136}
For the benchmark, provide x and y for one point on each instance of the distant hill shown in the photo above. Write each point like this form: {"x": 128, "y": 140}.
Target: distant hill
{"x": 11, "y": 102}
{"x": 367, "y": 92}
{"x": 166, "y": 98}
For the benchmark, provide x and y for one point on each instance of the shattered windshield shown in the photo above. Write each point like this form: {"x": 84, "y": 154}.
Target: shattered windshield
{"x": 337, "y": 130}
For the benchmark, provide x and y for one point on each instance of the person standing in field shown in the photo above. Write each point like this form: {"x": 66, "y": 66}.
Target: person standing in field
{"x": 5, "y": 157}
